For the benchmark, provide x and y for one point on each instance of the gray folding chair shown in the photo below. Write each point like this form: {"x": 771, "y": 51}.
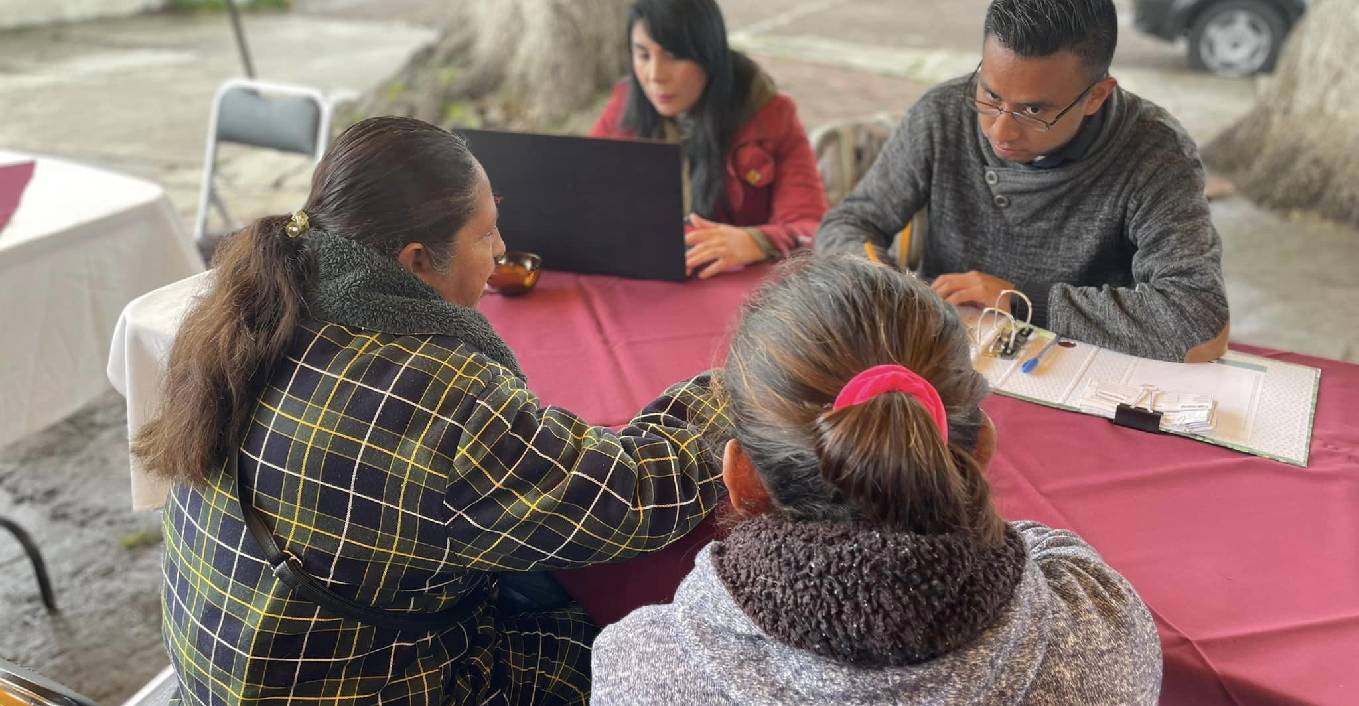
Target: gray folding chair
{"x": 257, "y": 114}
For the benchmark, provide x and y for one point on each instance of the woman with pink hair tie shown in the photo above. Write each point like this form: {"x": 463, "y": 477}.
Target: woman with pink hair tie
{"x": 867, "y": 563}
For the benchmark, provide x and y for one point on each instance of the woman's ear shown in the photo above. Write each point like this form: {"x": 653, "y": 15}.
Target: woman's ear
{"x": 744, "y": 487}
{"x": 986, "y": 442}
{"x": 414, "y": 258}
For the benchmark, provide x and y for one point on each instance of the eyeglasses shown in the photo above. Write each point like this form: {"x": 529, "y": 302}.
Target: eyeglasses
{"x": 1031, "y": 122}
{"x": 515, "y": 273}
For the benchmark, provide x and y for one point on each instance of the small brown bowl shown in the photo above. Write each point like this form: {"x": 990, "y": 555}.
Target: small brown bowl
{"x": 515, "y": 273}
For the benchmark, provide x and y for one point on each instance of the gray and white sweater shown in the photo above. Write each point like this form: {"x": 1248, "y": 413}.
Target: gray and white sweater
{"x": 1116, "y": 248}
{"x": 884, "y": 620}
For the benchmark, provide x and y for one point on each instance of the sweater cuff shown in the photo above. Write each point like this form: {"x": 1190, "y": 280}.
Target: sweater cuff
{"x": 1049, "y": 314}
{"x": 771, "y": 253}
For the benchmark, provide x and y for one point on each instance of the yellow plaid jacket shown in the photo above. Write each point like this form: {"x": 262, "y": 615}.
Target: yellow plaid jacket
{"x": 402, "y": 470}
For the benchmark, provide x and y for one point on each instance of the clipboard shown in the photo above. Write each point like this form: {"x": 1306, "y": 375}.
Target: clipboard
{"x": 1265, "y": 407}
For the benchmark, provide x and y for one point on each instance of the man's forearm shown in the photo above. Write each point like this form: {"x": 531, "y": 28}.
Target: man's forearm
{"x": 1174, "y": 324}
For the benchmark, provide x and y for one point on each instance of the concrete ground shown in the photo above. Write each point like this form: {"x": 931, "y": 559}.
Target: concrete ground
{"x": 132, "y": 95}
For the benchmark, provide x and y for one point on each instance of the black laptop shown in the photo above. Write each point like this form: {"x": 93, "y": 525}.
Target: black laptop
{"x": 595, "y": 206}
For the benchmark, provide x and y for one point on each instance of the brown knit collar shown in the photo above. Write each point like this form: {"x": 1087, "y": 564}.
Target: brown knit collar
{"x": 863, "y": 595}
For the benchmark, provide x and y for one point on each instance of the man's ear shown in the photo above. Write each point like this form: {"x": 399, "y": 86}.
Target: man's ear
{"x": 1100, "y": 93}
{"x": 744, "y": 487}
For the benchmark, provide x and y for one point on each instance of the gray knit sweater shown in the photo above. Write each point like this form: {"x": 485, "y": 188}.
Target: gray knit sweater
{"x": 1116, "y": 248}
{"x": 1073, "y": 632}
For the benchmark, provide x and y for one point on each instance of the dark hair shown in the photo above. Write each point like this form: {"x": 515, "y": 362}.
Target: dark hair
{"x": 694, "y": 30}
{"x": 817, "y": 324}
{"x": 385, "y": 182}
{"x": 1038, "y": 28}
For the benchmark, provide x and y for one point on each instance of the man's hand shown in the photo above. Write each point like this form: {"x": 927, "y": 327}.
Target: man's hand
{"x": 972, "y": 288}
{"x": 722, "y": 248}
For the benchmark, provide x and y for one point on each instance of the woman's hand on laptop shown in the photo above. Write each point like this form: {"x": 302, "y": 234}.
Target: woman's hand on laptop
{"x": 717, "y": 247}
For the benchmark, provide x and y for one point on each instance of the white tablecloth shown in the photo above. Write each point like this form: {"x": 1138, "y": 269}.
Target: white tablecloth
{"x": 82, "y": 244}
{"x": 137, "y": 357}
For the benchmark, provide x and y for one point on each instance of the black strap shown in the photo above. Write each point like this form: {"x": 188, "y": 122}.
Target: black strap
{"x": 1138, "y": 418}
{"x": 288, "y": 569}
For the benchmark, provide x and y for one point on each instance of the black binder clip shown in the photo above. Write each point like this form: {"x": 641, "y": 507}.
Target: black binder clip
{"x": 1138, "y": 418}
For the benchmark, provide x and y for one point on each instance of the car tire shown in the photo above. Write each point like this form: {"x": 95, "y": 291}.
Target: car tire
{"x": 1236, "y": 38}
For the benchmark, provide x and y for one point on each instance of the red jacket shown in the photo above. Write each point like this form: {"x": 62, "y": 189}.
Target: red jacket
{"x": 772, "y": 181}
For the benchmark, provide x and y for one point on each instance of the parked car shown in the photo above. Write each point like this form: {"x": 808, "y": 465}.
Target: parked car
{"x": 1227, "y": 37}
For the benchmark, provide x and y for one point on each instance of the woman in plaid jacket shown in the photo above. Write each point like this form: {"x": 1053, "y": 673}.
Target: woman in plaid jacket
{"x": 384, "y": 435}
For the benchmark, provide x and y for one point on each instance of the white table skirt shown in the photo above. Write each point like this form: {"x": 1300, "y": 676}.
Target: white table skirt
{"x": 82, "y": 244}
{"x": 137, "y": 360}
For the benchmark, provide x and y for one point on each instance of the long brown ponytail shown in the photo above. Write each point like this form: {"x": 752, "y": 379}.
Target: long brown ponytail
{"x": 385, "y": 182}
{"x": 240, "y": 327}
{"x": 818, "y": 323}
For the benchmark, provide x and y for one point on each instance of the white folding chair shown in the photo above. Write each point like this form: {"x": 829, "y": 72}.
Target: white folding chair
{"x": 844, "y": 153}
{"x": 257, "y": 114}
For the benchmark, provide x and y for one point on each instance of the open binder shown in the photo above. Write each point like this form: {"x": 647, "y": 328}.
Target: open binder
{"x": 1257, "y": 405}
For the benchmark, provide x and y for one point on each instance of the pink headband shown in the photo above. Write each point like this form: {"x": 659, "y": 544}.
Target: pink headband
{"x": 894, "y": 378}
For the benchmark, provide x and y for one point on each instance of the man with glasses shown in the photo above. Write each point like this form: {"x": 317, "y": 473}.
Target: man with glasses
{"x": 1041, "y": 174}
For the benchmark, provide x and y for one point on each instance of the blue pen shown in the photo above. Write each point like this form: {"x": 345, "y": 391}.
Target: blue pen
{"x": 1032, "y": 363}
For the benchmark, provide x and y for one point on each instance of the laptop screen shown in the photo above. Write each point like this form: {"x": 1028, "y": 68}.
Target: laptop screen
{"x": 593, "y": 206}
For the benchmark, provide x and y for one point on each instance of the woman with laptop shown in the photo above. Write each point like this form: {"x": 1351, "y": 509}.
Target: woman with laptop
{"x": 751, "y": 184}
{"x": 362, "y": 476}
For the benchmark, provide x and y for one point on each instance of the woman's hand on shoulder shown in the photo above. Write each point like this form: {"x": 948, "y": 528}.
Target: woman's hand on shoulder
{"x": 718, "y": 247}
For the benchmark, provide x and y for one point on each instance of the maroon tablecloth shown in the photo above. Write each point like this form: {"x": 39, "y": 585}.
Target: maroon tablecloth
{"x": 1250, "y": 566}
{"x": 14, "y": 179}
